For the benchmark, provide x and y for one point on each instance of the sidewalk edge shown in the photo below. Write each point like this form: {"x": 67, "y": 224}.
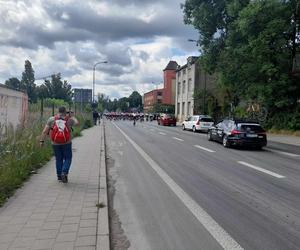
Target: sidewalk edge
{"x": 103, "y": 238}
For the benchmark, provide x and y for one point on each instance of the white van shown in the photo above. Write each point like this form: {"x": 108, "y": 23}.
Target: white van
{"x": 198, "y": 123}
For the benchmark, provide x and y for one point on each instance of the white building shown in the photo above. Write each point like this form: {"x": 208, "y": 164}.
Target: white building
{"x": 188, "y": 78}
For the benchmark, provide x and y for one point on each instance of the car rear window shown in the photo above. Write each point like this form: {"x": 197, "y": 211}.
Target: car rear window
{"x": 250, "y": 127}
{"x": 168, "y": 116}
{"x": 206, "y": 119}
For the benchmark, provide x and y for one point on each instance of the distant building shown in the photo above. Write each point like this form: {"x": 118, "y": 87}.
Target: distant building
{"x": 190, "y": 77}
{"x": 170, "y": 83}
{"x": 83, "y": 96}
{"x": 151, "y": 98}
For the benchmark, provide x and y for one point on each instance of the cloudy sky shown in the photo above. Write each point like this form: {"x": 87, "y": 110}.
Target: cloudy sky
{"x": 137, "y": 37}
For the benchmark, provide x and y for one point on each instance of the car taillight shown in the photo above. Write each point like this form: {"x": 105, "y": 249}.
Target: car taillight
{"x": 197, "y": 123}
{"x": 235, "y": 132}
{"x": 262, "y": 133}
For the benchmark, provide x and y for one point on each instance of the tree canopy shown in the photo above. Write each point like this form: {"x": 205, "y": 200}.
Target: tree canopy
{"x": 250, "y": 46}
{"x": 56, "y": 88}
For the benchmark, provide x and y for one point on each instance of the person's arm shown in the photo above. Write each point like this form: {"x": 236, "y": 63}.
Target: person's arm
{"x": 45, "y": 132}
{"x": 75, "y": 121}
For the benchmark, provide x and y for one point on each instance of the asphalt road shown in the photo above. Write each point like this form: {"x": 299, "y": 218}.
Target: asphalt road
{"x": 176, "y": 190}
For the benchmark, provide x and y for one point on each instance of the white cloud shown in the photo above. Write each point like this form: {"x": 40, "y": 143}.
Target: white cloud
{"x": 137, "y": 37}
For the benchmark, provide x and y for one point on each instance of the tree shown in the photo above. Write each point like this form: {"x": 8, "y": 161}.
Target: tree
{"x": 28, "y": 82}
{"x": 123, "y": 104}
{"x": 56, "y": 88}
{"x": 135, "y": 100}
{"x": 249, "y": 46}
{"x": 14, "y": 83}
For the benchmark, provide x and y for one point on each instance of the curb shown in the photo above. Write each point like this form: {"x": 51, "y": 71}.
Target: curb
{"x": 103, "y": 239}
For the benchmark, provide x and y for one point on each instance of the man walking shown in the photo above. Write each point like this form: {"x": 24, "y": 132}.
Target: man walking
{"x": 59, "y": 127}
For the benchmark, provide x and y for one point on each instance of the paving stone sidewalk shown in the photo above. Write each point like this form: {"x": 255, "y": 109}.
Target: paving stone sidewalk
{"x": 47, "y": 214}
{"x": 287, "y": 139}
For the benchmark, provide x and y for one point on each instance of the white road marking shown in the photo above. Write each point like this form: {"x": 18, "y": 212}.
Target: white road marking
{"x": 261, "y": 169}
{"x": 161, "y": 133}
{"x": 283, "y": 153}
{"x": 220, "y": 235}
{"x": 205, "y": 149}
{"x": 178, "y": 139}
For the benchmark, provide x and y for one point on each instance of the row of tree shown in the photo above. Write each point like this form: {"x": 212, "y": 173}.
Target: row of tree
{"x": 54, "y": 88}
{"x": 125, "y": 104}
{"x": 58, "y": 89}
{"x": 250, "y": 45}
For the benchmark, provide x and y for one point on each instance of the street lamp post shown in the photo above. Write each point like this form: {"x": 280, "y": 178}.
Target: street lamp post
{"x": 94, "y": 68}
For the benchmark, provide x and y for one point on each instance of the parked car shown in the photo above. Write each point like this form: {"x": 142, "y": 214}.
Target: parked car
{"x": 234, "y": 132}
{"x": 198, "y": 123}
{"x": 166, "y": 119}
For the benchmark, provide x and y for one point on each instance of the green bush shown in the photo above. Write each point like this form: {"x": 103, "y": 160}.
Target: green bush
{"x": 87, "y": 124}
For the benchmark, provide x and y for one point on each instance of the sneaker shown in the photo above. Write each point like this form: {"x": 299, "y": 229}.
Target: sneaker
{"x": 59, "y": 178}
{"x": 64, "y": 178}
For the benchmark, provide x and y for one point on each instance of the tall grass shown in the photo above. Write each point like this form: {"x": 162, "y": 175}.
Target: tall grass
{"x": 21, "y": 155}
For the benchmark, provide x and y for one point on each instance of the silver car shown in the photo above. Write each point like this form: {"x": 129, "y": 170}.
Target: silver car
{"x": 198, "y": 123}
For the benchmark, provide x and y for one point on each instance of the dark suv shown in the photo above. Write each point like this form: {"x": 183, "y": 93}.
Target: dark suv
{"x": 234, "y": 132}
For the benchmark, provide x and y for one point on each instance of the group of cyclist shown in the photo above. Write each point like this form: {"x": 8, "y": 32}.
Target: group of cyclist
{"x": 131, "y": 117}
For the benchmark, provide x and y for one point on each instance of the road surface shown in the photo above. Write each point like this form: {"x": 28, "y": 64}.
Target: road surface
{"x": 176, "y": 190}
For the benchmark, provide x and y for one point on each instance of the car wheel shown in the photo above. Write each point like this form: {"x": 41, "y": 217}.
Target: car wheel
{"x": 194, "y": 129}
{"x": 183, "y": 127}
{"x": 209, "y": 136}
{"x": 225, "y": 141}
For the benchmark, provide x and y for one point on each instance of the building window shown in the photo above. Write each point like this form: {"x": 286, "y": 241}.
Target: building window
{"x": 178, "y": 108}
{"x": 178, "y": 89}
{"x": 183, "y": 107}
{"x": 183, "y": 87}
{"x": 184, "y": 71}
{"x": 179, "y": 73}
{"x": 190, "y": 85}
{"x": 189, "y": 108}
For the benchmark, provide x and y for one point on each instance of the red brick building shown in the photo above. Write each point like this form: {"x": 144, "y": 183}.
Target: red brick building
{"x": 170, "y": 83}
{"x": 152, "y": 97}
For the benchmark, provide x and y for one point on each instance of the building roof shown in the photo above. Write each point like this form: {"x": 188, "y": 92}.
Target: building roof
{"x": 190, "y": 61}
{"x": 153, "y": 91}
{"x": 172, "y": 65}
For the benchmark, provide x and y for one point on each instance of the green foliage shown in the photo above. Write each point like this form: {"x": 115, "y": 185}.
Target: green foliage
{"x": 124, "y": 104}
{"x": 56, "y": 89}
{"x": 14, "y": 83}
{"x": 249, "y": 46}
{"x": 163, "y": 108}
{"x": 135, "y": 100}
{"x": 20, "y": 156}
{"x": 27, "y": 82}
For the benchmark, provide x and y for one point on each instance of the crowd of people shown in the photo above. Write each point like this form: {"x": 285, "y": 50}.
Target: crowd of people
{"x": 131, "y": 116}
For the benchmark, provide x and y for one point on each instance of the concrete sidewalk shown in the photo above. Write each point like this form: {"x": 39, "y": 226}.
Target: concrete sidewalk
{"x": 286, "y": 139}
{"x": 47, "y": 214}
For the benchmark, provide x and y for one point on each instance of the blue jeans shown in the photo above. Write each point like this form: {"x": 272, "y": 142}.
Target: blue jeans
{"x": 63, "y": 156}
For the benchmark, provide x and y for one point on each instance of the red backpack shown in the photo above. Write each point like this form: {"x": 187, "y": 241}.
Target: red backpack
{"x": 60, "y": 130}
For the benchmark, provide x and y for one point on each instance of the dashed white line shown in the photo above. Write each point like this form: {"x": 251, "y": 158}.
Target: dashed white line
{"x": 220, "y": 235}
{"x": 178, "y": 139}
{"x": 161, "y": 133}
{"x": 261, "y": 169}
{"x": 205, "y": 149}
{"x": 283, "y": 153}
